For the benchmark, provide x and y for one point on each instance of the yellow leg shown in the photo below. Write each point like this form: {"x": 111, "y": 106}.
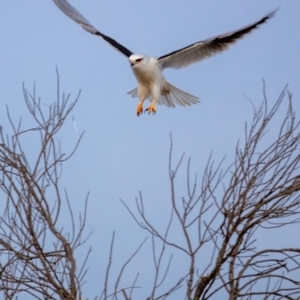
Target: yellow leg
{"x": 139, "y": 109}
{"x": 151, "y": 108}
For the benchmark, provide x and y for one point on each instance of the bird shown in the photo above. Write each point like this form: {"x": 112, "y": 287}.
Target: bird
{"x": 148, "y": 70}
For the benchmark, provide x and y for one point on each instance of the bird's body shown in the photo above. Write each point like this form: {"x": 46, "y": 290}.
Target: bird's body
{"x": 148, "y": 74}
{"x": 151, "y": 81}
{"x": 152, "y": 85}
{"x": 148, "y": 70}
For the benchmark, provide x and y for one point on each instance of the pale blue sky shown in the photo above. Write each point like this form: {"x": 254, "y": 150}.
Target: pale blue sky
{"x": 122, "y": 154}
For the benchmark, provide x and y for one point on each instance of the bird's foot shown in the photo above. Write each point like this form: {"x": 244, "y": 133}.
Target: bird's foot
{"x": 139, "y": 109}
{"x": 151, "y": 109}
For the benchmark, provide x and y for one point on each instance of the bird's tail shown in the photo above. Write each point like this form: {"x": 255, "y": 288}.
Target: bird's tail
{"x": 133, "y": 93}
{"x": 171, "y": 96}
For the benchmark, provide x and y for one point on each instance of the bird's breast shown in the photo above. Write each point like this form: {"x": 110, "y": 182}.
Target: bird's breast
{"x": 147, "y": 74}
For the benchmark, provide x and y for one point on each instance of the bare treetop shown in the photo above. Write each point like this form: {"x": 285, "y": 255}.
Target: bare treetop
{"x": 224, "y": 210}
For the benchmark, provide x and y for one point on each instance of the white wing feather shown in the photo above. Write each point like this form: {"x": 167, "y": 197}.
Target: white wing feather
{"x": 76, "y": 16}
{"x": 201, "y": 50}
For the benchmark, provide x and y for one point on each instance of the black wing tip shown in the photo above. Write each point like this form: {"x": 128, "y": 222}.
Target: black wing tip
{"x": 271, "y": 14}
{"x": 274, "y": 11}
{"x": 249, "y": 28}
{"x": 266, "y": 17}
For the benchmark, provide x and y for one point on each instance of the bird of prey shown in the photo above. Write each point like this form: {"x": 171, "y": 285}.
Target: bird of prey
{"x": 152, "y": 84}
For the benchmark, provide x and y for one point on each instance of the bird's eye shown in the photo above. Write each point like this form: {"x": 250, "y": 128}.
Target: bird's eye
{"x": 139, "y": 60}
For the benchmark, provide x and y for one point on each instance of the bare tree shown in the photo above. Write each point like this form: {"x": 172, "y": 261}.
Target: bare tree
{"x": 220, "y": 215}
{"x": 36, "y": 251}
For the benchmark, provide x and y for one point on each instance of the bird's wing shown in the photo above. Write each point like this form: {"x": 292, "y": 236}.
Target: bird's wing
{"x": 71, "y": 12}
{"x": 200, "y": 50}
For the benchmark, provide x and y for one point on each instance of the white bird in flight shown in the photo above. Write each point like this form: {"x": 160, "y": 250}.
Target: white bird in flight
{"x": 152, "y": 84}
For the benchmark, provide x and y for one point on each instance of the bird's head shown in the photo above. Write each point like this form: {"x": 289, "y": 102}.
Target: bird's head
{"x": 136, "y": 59}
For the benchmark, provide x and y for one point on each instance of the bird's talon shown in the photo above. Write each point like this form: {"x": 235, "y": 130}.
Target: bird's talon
{"x": 139, "y": 109}
{"x": 151, "y": 109}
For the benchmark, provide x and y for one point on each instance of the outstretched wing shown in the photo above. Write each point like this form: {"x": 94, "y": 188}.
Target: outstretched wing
{"x": 71, "y": 12}
{"x": 200, "y": 50}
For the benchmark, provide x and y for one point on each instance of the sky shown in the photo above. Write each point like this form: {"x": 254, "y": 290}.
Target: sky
{"x": 122, "y": 154}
